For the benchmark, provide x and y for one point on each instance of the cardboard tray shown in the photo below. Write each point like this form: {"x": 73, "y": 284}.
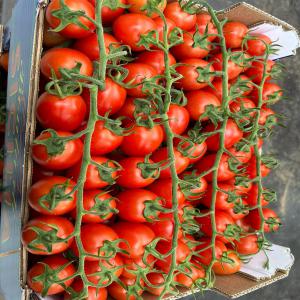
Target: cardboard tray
{"x": 25, "y": 31}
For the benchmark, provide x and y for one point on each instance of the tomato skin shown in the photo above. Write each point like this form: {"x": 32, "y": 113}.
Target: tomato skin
{"x": 256, "y": 71}
{"x": 128, "y": 28}
{"x": 181, "y": 162}
{"x": 257, "y": 46}
{"x": 72, "y": 31}
{"x": 43, "y": 187}
{"x": 136, "y": 7}
{"x": 110, "y": 100}
{"x": 90, "y": 47}
{"x": 243, "y": 78}
{"x": 247, "y": 245}
{"x": 137, "y": 235}
{"x": 223, "y": 268}
{"x": 131, "y": 265}
{"x": 207, "y": 162}
{"x": 252, "y": 197}
{"x": 255, "y": 221}
{"x": 196, "y": 272}
{"x": 60, "y": 114}
{"x": 197, "y": 102}
{"x": 89, "y": 201}
{"x": 93, "y": 236}
{"x": 155, "y": 279}
{"x": 241, "y": 215}
{"x": 54, "y": 262}
{"x": 265, "y": 113}
{"x": 270, "y": 90}
{"x": 182, "y": 19}
{"x": 241, "y": 104}
{"x": 178, "y": 119}
{"x": 68, "y": 158}
{"x": 242, "y": 156}
{"x": 160, "y": 27}
{"x": 189, "y": 72}
{"x": 65, "y": 229}
{"x": 130, "y": 176}
{"x": 252, "y": 171}
{"x": 234, "y": 33}
{"x": 51, "y": 38}
{"x": 204, "y": 23}
{"x": 142, "y": 141}
{"x": 217, "y": 88}
{"x": 66, "y": 58}
{"x": 239, "y": 189}
{"x": 132, "y": 204}
{"x": 155, "y": 59}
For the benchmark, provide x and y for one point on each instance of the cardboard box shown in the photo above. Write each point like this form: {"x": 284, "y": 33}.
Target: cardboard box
{"x": 25, "y": 31}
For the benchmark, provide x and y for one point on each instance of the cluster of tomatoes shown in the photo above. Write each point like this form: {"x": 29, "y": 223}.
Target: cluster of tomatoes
{"x": 128, "y": 209}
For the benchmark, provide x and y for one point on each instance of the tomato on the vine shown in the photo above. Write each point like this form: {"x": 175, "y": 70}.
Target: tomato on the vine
{"x": 256, "y": 44}
{"x": 244, "y": 108}
{"x": 234, "y": 34}
{"x": 240, "y": 188}
{"x": 240, "y": 210}
{"x": 157, "y": 280}
{"x": 138, "y": 7}
{"x": 252, "y": 197}
{"x": 247, "y": 245}
{"x": 206, "y": 26}
{"x": 178, "y": 118}
{"x": 132, "y": 264}
{"x": 256, "y": 70}
{"x": 266, "y": 114}
{"x": 216, "y": 88}
{"x": 160, "y": 24}
{"x": 196, "y": 272}
{"x": 272, "y": 93}
{"x": 228, "y": 268}
{"x": 245, "y": 81}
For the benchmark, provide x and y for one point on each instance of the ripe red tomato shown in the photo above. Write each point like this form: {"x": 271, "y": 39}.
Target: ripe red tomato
{"x": 90, "y": 47}
{"x": 252, "y": 197}
{"x": 246, "y": 81}
{"x": 181, "y": 18}
{"x": 93, "y": 237}
{"x": 272, "y": 93}
{"x": 234, "y": 33}
{"x": 196, "y": 272}
{"x": 155, "y": 59}
{"x": 235, "y": 214}
{"x": 265, "y": 114}
{"x": 135, "y": 205}
{"x": 232, "y": 136}
{"x": 137, "y": 7}
{"x": 272, "y": 221}
{"x": 101, "y": 205}
{"x": 198, "y": 101}
{"x": 142, "y": 141}
{"x": 54, "y": 262}
{"x": 194, "y": 75}
{"x": 252, "y": 171}
{"x": 205, "y": 25}
{"x": 70, "y": 155}
{"x": 65, "y": 58}
{"x": 256, "y": 44}
{"x": 247, "y": 245}
{"x": 110, "y": 100}
{"x": 228, "y": 268}
{"x": 240, "y": 189}
{"x": 132, "y": 264}
{"x": 207, "y": 162}
{"x": 157, "y": 280}
{"x": 216, "y": 89}
{"x": 48, "y": 196}
{"x": 131, "y": 176}
{"x": 178, "y": 119}
{"x": 181, "y": 162}
{"x": 56, "y": 227}
{"x": 94, "y": 178}
{"x": 60, "y": 114}
{"x": 128, "y": 29}
{"x": 244, "y": 105}
{"x": 137, "y": 235}
{"x": 160, "y": 27}
{"x": 72, "y": 31}
{"x": 242, "y": 156}
{"x": 256, "y": 71}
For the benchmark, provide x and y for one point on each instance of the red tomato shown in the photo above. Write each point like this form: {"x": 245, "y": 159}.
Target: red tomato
{"x": 90, "y": 47}
{"x": 256, "y": 71}
{"x": 54, "y": 262}
{"x": 70, "y": 155}
{"x": 256, "y": 44}
{"x": 131, "y": 176}
{"x": 244, "y": 105}
{"x": 181, "y": 162}
{"x": 135, "y": 205}
{"x": 127, "y": 110}
{"x": 194, "y": 75}
{"x": 226, "y": 268}
{"x": 178, "y": 118}
{"x": 133, "y": 264}
{"x": 49, "y": 196}
{"x": 65, "y": 58}
{"x": 272, "y": 221}
{"x": 137, "y": 7}
{"x": 272, "y": 93}
{"x": 217, "y": 88}
{"x": 160, "y": 27}
{"x": 72, "y": 31}
{"x": 4, "y": 61}
{"x": 155, "y": 59}
{"x": 247, "y": 245}
{"x": 53, "y": 229}
{"x": 93, "y": 293}
{"x": 240, "y": 189}
{"x": 207, "y": 162}
{"x": 110, "y": 100}
{"x": 60, "y": 114}
{"x": 93, "y": 237}
{"x": 234, "y": 33}
{"x": 156, "y": 279}
{"x": 244, "y": 224}
{"x": 252, "y": 197}
{"x": 265, "y": 114}
{"x": 242, "y": 156}
{"x": 101, "y": 205}
{"x": 142, "y": 141}
{"x": 137, "y": 235}
{"x": 235, "y": 214}
{"x": 204, "y": 23}
{"x": 51, "y": 38}
{"x": 252, "y": 171}
{"x": 181, "y": 18}
{"x": 128, "y": 29}
{"x": 246, "y": 85}
{"x": 198, "y": 101}
{"x": 94, "y": 178}
{"x": 195, "y": 272}
{"x": 163, "y": 188}
{"x": 232, "y": 136}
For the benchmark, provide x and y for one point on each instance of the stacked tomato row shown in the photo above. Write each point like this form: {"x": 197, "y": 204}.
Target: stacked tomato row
{"x": 123, "y": 202}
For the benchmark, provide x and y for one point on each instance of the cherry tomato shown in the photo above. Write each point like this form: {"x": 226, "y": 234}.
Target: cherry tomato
{"x": 256, "y": 71}
{"x": 137, "y": 7}
{"x": 72, "y": 31}
{"x": 70, "y": 155}
{"x": 51, "y": 196}
{"x": 252, "y": 197}
{"x": 196, "y": 272}
{"x": 131, "y": 176}
{"x": 194, "y": 75}
{"x": 51, "y": 38}
{"x": 181, "y": 18}
{"x": 132, "y": 264}
{"x": 128, "y": 29}
{"x": 160, "y": 24}
{"x": 156, "y": 279}
{"x": 244, "y": 224}
{"x": 137, "y": 235}
{"x": 246, "y": 85}
{"x": 256, "y": 44}
{"x": 178, "y": 119}
{"x": 65, "y": 58}
{"x": 55, "y": 262}
{"x": 245, "y": 106}
{"x": 272, "y": 93}
{"x": 95, "y": 179}
{"x": 265, "y": 114}
{"x": 53, "y": 229}
{"x": 234, "y": 33}
{"x": 247, "y": 245}
{"x": 236, "y": 214}
{"x": 205, "y": 25}
{"x": 242, "y": 156}
{"x": 226, "y": 268}
{"x": 216, "y": 89}
{"x": 252, "y": 171}
{"x": 240, "y": 189}
{"x": 60, "y": 114}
